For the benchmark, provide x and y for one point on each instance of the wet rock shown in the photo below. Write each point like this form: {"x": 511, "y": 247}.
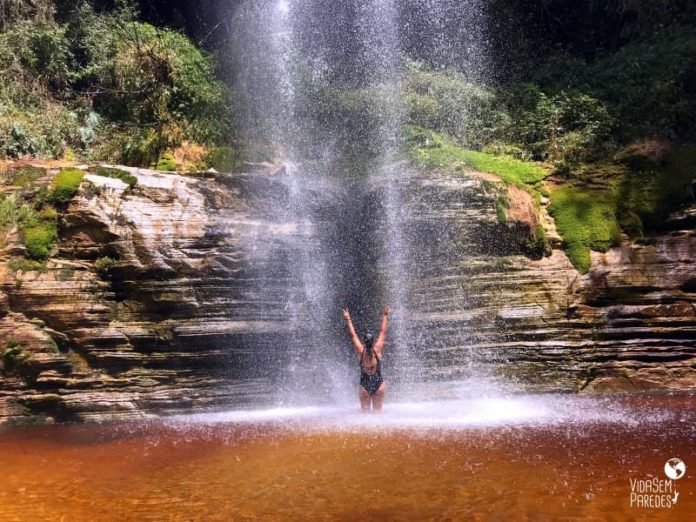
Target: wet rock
{"x": 191, "y": 312}
{"x": 629, "y": 324}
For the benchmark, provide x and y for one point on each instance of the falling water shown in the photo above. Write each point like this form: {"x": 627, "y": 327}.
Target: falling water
{"x": 347, "y": 206}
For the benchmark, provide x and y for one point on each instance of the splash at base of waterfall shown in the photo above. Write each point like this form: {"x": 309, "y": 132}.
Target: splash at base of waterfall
{"x": 460, "y": 414}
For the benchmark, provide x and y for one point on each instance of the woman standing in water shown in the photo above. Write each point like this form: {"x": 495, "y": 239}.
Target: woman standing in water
{"x": 372, "y": 386}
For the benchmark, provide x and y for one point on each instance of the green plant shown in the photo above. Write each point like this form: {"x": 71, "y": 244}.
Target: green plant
{"x": 8, "y": 211}
{"x": 48, "y": 213}
{"x": 586, "y": 220}
{"x": 104, "y": 264}
{"x": 223, "y": 159}
{"x": 13, "y": 357}
{"x": 65, "y": 185}
{"x": 39, "y": 230}
{"x": 167, "y": 162}
{"x": 443, "y": 153}
{"x": 536, "y": 245}
{"x": 19, "y": 264}
{"x": 24, "y": 176}
{"x": 446, "y": 102}
{"x": 39, "y": 240}
{"x": 109, "y": 172}
{"x": 501, "y": 206}
{"x": 654, "y": 187}
{"x": 565, "y": 128}
{"x": 88, "y": 81}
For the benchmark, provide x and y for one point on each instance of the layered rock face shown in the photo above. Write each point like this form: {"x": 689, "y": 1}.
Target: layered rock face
{"x": 185, "y": 293}
{"x": 175, "y": 322}
{"x": 477, "y": 306}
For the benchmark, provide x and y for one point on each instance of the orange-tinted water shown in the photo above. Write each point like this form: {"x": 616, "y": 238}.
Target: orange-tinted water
{"x": 268, "y": 470}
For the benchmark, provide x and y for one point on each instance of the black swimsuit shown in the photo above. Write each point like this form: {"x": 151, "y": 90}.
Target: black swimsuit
{"x": 371, "y": 383}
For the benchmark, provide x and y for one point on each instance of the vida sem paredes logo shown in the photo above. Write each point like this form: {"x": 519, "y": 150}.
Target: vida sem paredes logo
{"x": 656, "y": 492}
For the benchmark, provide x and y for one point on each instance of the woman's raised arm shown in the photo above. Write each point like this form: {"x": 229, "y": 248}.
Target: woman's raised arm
{"x": 379, "y": 344}
{"x": 351, "y": 330}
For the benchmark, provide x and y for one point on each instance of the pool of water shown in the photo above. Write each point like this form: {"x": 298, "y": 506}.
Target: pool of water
{"x": 499, "y": 458}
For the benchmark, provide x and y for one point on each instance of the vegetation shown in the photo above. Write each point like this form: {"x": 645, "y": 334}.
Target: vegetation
{"x": 593, "y": 120}
{"x": 597, "y": 98}
{"x": 109, "y": 172}
{"x": 39, "y": 239}
{"x": 20, "y": 264}
{"x": 431, "y": 150}
{"x": 100, "y": 84}
{"x": 586, "y": 219}
{"x": 65, "y": 185}
{"x": 470, "y": 113}
{"x": 536, "y": 245}
{"x": 104, "y": 264}
{"x": 13, "y": 357}
{"x": 24, "y": 176}
{"x": 167, "y": 162}
{"x": 30, "y": 211}
{"x": 39, "y": 231}
{"x": 653, "y": 186}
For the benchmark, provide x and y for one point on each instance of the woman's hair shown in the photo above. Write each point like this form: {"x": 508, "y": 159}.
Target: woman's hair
{"x": 369, "y": 343}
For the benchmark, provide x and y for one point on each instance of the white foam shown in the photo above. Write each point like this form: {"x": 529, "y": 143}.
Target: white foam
{"x": 471, "y": 413}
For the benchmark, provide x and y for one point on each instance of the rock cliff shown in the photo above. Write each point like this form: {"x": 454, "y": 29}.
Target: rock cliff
{"x": 629, "y": 324}
{"x": 173, "y": 295}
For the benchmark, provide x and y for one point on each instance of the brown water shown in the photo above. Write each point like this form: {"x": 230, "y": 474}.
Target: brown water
{"x": 576, "y": 466}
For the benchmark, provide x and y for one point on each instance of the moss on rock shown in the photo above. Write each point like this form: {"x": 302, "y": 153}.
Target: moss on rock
{"x": 123, "y": 175}
{"x": 654, "y": 187}
{"x": 65, "y": 185}
{"x": 431, "y": 150}
{"x": 586, "y": 220}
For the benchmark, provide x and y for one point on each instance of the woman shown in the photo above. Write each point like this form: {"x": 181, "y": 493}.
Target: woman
{"x": 372, "y": 386}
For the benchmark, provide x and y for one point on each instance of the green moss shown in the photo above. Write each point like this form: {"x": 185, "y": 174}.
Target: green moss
{"x": 586, "y": 220}
{"x": 579, "y": 255}
{"x": 651, "y": 189}
{"x": 24, "y": 176}
{"x": 109, "y": 172}
{"x": 536, "y": 246}
{"x": 431, "y": 150}
{"x": 501, "y": 205}
{"x": 48, "y": 213}
{"x": 19, "y": 264}
{"x": 65, "y": 185}
{"x": 39, "y": 239}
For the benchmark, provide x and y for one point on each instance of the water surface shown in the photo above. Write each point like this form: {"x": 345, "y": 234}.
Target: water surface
{"x": 499, "y": 458}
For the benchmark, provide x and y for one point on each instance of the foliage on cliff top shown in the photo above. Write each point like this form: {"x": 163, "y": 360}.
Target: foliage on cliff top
{"x": 653, "y": 187}
{"x": 647, "y": 85}
{"x": 445, "y": 101}
{"x": 104, "y": 85}
{"x": 431, "y": 150}
{"x": 563, "y": 126}
{"x": 586, "y": 220}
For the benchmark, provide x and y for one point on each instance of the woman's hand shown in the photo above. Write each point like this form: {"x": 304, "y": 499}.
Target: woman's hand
{"x": 387, "y": 310}
{"x": 346, "y": 314}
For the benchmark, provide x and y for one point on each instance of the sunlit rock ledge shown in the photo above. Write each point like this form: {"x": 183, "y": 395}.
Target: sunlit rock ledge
{"x": 177, "y": 322}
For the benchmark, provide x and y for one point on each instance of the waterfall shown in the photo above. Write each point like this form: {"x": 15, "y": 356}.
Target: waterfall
{"x": 320, "y": 84}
